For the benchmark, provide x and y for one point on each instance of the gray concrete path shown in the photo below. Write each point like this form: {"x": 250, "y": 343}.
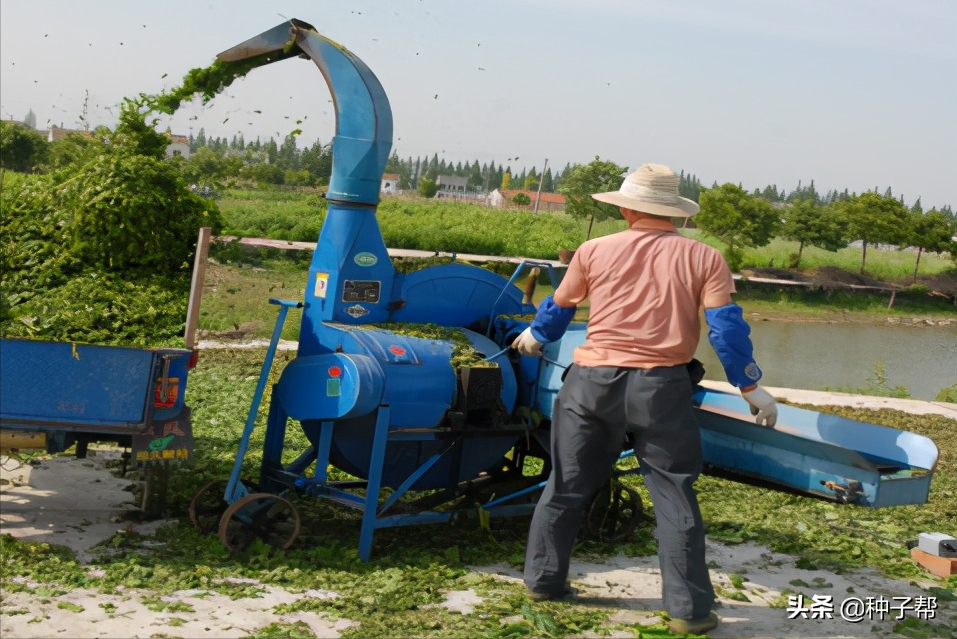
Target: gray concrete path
{"x": 827, "y": 398}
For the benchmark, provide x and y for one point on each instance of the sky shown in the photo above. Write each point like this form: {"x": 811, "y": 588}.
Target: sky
{"x": 855, "y": 94}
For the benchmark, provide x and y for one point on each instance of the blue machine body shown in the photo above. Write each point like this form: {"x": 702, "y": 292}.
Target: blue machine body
{"x": 391, "y": 410}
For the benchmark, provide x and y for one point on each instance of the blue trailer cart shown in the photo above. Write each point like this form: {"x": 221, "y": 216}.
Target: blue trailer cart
{"x": 54, "y": 395}
{"x": 425, "y": 440}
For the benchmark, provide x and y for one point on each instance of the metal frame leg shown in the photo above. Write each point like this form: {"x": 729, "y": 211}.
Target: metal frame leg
{"x": 374, "y": 485}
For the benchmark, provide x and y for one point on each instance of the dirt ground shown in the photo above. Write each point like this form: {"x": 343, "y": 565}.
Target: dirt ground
{"x": 78, "y": 503}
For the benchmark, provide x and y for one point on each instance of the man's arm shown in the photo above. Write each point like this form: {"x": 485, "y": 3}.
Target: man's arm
{"x": 730, "y": 337}
{"x": 555, "y": 312}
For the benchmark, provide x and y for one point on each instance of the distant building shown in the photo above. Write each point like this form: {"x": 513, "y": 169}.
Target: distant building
{"x": 57, "y": 133}
{"x": 502, "y": 199}
{"x": 178, "y": 145}
{"x": 390, "y": 183}
{"x": 451, "y": 185}
{"x": 178, "y": 148}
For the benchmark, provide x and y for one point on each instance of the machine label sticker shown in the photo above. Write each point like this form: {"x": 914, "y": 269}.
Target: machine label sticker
{"x": 357, "y": 311}
{"x": 398, "y": 351}
{"x": 361, "y": 291}
{"x": 322, "y": 284}
{"x": 166, "y": 392}
{"x": 172, "y": 428}
{"x": 365, "y": 259}
{"x": 166, "y": 453}
{"x": 161, "y": 443}
{"x": 332, "y": 388}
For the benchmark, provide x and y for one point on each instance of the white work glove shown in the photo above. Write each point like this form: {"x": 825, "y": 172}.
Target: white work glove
{"x": 763, "y": 406}
{"x": 526, "y": 344}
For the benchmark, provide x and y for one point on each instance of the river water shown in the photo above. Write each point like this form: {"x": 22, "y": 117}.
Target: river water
{"x": 842, "y": 357}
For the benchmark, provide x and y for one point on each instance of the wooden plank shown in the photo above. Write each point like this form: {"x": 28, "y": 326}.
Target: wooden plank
{"x": 310, "y": 246}
{"x": 196, "y": 286}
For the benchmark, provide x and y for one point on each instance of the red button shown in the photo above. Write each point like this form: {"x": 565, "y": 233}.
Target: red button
{"x": 334, "y": 371}
{"x": 398, "y": 351}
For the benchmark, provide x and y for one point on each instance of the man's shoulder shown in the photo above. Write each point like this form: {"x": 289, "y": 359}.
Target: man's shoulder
{"x": 698, "y": 246}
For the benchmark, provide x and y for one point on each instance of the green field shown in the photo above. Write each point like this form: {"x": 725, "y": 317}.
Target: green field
{"x": 417, "y": 223}
{"x": 238, "y": 287}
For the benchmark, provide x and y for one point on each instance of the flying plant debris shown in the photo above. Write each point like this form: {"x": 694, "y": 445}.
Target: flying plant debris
{"x": 210, "y": 81}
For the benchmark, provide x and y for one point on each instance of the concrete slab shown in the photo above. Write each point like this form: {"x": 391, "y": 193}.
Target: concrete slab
{"x": 63, "y": 500}
{"x": 826, "y": 398}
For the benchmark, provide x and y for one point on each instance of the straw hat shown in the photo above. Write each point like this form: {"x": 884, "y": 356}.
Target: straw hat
{"x": 651, "y": 189}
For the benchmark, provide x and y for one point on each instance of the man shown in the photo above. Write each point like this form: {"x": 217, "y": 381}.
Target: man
{"x": 646, "y": 286}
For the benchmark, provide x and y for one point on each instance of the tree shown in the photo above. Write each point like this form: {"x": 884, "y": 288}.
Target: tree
{"x": 288, "y": 156}
{"x": 199, "y": 141}
{"x": 272, "y": 151}
{"x": 548, "y": 183}
{"x": 731, "y": 214}
{"x": 264, "y": 173}
{"x": 31, "y": 119}
{"x": 930, "y": 232}
{"x": 427, "y": 187}
{"x": 521, "y": 199}
{"x": 873, "y": 218}
{"x": 581, "y": 181}
{"x": 208, "y": 168}
{"x": 21, "y": 148}
{"x": 806, "y": 222}
{"x": 73, "y": 148}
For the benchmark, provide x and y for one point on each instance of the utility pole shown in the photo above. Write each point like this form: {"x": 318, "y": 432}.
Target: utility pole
{"x": 541, "y": 181}
{"x": 86, "y": 112}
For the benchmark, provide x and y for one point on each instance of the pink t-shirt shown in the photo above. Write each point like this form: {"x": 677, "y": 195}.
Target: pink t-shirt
{"x": 645, "y": 287}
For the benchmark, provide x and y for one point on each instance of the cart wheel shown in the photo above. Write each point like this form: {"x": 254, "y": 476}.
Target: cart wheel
{"x": 259, "y": 515}
{"x": 614, "y": 513}
{"x": 208, "y": 506}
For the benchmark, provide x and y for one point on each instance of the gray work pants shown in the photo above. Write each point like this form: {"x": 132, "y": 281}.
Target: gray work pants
{"x": 596, "y": 407}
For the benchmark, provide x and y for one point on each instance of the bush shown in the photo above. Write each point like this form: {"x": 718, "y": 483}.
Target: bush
{"x": 521, "y": 199}
{"x": 948, "y": 394}
{"x": 100, "y": 252}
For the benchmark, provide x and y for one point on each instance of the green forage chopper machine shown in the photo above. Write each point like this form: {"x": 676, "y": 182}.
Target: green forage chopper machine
{"x": 426, "y": 438}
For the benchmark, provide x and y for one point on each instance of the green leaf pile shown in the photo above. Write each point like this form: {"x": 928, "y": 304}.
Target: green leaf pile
{"x": 100, "y": 251}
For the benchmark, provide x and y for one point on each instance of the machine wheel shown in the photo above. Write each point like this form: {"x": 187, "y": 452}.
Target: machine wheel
{"x": 270, "y": 518}
{"x": 208, "y": 506}
{"x": 614, "y": 513}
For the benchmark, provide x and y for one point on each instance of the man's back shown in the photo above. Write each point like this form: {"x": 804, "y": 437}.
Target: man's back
{"x": 645, "y": 287}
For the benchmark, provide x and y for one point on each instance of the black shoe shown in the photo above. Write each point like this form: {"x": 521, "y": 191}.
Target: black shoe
{"x": 567, "y": 593}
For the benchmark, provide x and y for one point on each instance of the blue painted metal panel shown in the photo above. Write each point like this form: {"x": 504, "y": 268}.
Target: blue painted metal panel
{"x": 818, "y": 453}
{"x": 330, "y": 386}
{"x": 82, "y": 385}
{"x": 454, "y": 295}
